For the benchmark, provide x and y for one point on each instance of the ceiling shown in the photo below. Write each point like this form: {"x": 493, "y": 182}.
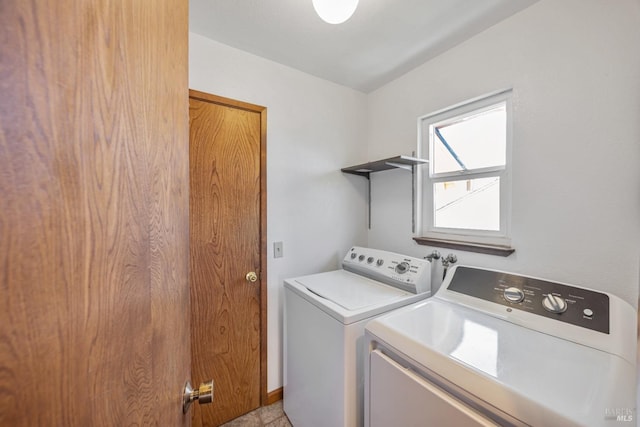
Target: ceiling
{"x": 383, "y": 39}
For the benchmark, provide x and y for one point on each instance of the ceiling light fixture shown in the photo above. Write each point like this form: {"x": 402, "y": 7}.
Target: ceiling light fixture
{"x": 335, "y": 11}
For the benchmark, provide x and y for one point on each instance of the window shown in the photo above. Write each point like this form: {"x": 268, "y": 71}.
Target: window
{"x": 465, "y": 196}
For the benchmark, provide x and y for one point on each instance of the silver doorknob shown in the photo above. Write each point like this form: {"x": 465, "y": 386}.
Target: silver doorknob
{"x": 251, "y": 277}
{"x": 204, "y": 395}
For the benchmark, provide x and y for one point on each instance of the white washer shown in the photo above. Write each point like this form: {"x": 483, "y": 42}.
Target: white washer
{"x": 324, "y": 321}
{"x": 493, "y": 348}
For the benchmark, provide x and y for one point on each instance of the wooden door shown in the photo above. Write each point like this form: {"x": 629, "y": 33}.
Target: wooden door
{"x": 94, "y": 300}
{"x": 227, "y": 227}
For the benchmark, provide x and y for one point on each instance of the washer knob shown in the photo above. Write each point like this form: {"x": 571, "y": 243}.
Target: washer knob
{"x": 361, "y": 257}
{"x": 402, "y": 268}
{"x": 554, "y": 304}
{"x": 370, "y": 259}
{"x": 380, "y": 261}
{"x": 353, "y": 255}
{"x": 513, "y": 294}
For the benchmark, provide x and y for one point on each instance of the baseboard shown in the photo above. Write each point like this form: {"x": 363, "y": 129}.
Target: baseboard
{"x": 274, "y": 396}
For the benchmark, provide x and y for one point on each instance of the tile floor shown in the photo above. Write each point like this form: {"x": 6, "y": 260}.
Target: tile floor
{"x": 267, "y": 416}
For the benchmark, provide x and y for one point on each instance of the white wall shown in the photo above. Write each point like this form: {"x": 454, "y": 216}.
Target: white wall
{"x": 313, "y": 129}
{"x": 574, "y": 66}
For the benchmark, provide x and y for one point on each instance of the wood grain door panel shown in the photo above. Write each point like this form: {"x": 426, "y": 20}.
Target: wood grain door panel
{"x": 94, "y": 306}
{"x": 225, "y": 244}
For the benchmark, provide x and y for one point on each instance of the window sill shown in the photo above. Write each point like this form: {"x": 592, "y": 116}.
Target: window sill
{"x": 481, "y": 248}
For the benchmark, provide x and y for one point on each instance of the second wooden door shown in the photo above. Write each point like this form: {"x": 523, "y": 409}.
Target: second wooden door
{"x": 226, "y": 241}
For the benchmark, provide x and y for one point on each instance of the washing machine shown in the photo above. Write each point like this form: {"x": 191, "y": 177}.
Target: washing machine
{"x": 324, "y": 319}
{"x": 494, "y": 348}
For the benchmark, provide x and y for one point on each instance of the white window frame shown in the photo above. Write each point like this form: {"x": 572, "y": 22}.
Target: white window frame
{"x": 425, "y": 181}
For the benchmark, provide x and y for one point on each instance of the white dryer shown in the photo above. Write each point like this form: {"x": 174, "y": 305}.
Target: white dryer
{"x": 324, "y": 319}
{"x": 493, "y": 348}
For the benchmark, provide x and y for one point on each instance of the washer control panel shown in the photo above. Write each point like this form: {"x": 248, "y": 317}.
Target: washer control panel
{"x": 404, "y": 272}
{"x": 570, "y": 304}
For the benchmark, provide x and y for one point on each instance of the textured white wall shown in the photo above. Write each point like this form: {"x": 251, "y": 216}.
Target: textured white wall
{"x": 313, "y": 129}
{"x": 574, "y": 66}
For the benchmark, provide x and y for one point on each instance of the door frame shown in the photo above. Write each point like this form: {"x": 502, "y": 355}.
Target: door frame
{"x": 215, "y": 99}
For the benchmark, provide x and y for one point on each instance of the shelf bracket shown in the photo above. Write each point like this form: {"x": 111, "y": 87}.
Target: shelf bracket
{"x": 402, "y": 162}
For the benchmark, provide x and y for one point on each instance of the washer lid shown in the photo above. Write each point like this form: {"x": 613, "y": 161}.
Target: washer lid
{"x": 350, "y": 291}
{"x": 537, "y": 378}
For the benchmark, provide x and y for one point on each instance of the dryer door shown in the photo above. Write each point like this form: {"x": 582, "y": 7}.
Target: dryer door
{"x": 420, "y": 403}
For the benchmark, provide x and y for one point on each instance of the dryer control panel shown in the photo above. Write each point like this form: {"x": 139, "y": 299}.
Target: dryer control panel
{"x": 570, "y": 304}
{"x": 401, "y": 271}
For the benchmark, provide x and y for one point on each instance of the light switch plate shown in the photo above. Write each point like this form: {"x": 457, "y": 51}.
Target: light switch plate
{"x": 277, "y": 250}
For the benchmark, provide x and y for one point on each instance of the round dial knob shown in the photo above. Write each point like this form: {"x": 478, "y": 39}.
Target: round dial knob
{"x": 370, "y": 259}
{"x": 554, "y": 304}
{"x": 361, "y": 257}
{"x": 402, "y": 268}
{"x": 513, "y": 294}
{"x": 354, "y": 255}
{"x": 380, "y": 261}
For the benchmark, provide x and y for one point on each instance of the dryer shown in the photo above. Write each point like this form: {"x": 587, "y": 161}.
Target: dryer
{"x": 324, "y": 319}
{"x": 494, "y": 348}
